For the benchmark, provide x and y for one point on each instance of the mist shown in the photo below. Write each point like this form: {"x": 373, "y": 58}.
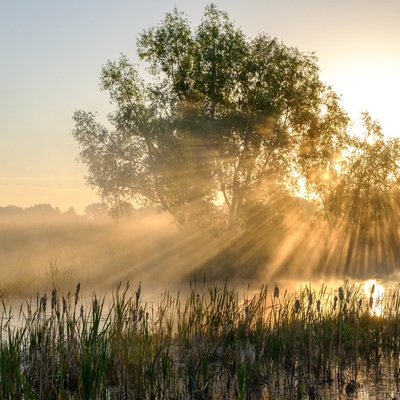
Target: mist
{"x": 42, "y": 248}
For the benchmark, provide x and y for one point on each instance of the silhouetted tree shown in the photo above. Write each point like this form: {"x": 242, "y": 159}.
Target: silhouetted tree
{"x": 358, "y": 198}
{"x": 42, "y": 211}
{"x": 218, "y": 129}
{"x": 362, "y": 205}
{"x": 71, "y": 212}
{"x": 11, "y": 211}
{"x": 97, "y": 211}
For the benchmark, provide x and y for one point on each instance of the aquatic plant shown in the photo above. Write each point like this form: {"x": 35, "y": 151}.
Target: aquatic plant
{"x": 215, "y": 342}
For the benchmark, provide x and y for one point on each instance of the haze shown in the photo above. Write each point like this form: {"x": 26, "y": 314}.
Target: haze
{"x": 52, "y": 54}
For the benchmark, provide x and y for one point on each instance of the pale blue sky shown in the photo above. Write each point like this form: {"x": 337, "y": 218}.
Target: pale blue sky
{"x": 52, "y": 52}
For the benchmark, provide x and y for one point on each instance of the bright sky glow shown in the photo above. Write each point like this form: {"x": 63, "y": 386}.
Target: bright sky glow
{"x": 52, "y": 53}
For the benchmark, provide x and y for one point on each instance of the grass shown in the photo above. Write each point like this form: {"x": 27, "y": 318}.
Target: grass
{"x": 212, "y": 343}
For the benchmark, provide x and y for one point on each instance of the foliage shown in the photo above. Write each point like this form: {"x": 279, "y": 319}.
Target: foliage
{"x": 368, "y": 179}
{"x": 219, "y": 128}
{"x": 227, "y": 134}
{"x": 361, "y": 202}
{"x": 97, "y": 211}
{"x": 209, "y": 344}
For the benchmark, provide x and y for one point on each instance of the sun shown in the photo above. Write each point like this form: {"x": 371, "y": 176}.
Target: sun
{"x": 371, "y": 84}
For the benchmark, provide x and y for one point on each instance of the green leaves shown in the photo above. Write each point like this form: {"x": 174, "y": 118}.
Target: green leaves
{"x": 220, "y": 55}
{"x": 122, "y": 81}
{"x": 169, "y": 50}
{"x": 225, "y": 123}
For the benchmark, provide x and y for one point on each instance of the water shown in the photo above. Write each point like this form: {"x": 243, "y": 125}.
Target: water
{"x": 369, "y": 387}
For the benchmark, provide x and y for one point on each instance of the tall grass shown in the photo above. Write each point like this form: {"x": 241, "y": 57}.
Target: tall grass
{"x": 215, "y": 342}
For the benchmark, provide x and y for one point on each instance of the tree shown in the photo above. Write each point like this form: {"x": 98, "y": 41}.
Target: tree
{"x": 42, "y": 211}
{"x": 97, "y": 211}
{"x": 363, "y": 204}
{"x": 70, "y": 212}
{"x": 218, "y": 130}
{"x": 358, "y": 196}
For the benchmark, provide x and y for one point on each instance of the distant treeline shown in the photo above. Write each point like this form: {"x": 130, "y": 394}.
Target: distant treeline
{"x": 46, "y": 212}
{"x": 42, "y": 248}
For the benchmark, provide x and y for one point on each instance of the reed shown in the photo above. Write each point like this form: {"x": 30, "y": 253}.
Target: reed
{"x": 216, "y": 342}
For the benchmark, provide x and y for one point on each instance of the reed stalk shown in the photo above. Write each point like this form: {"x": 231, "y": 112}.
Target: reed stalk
{"x": 216, "y": 342}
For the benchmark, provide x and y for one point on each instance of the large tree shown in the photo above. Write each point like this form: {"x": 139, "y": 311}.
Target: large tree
{"x": 225, "y": 124}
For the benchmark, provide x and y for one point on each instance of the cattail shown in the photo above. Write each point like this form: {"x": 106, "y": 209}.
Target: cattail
{"x": 373, "y": 289}
{"x": 43, "y": 302}
{"x": 318, "y": 305}
{"x": 53, "y": 298}
{"x": 276, "y": 292}
{"x": 297, "y": 306}
{"x": 138, "y": 292}
{"x": 78, "y": 288}
{"x": 341, "y": 294}
{"x": 359, "y": 304}
{"x": 64, "y": 305}
{"x": 95, "y": 305}
{"x": 371, "y": 302}
{"x": 335, "y": 300}
{"x": 310, "y": 299}
{"x": 82, "y": 311}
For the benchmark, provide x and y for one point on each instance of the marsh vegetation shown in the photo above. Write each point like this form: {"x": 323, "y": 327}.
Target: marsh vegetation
{"x": 215, "y": 342}
{"x": 206, "y": 339}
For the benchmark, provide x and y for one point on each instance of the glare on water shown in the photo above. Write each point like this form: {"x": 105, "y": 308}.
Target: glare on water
{"x": 374, "y": 291}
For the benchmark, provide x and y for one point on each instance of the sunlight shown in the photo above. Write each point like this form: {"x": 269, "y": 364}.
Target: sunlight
{"x": 374, "y": 292}
{"x": 358, "y": 130}
{"x": 302, "y": 189}
{"x": 370, "y": 140}
{"x": 370, "y": 86}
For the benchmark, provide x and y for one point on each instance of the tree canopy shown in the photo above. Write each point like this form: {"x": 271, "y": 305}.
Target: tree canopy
{"x": 229, "y": 130}
{"x": 219, "y": 126}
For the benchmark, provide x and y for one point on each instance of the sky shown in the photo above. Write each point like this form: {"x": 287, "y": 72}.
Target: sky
{"x": 52, "y": 52}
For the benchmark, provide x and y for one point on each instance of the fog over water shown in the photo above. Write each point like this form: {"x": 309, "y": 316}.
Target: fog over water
{"x": 42, "y": 248}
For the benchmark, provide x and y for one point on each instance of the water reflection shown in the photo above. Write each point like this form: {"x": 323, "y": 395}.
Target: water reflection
{"x": 374, "y": 291}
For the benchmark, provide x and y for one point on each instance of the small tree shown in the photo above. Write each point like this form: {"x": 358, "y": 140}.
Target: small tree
{"x": 362, "y": 205}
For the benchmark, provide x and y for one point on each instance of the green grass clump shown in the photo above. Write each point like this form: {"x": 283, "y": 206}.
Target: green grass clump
{"x": 213, "y": 343}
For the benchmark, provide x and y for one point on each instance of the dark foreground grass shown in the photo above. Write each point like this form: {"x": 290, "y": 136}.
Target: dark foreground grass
{"x": 212, "y": 344}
